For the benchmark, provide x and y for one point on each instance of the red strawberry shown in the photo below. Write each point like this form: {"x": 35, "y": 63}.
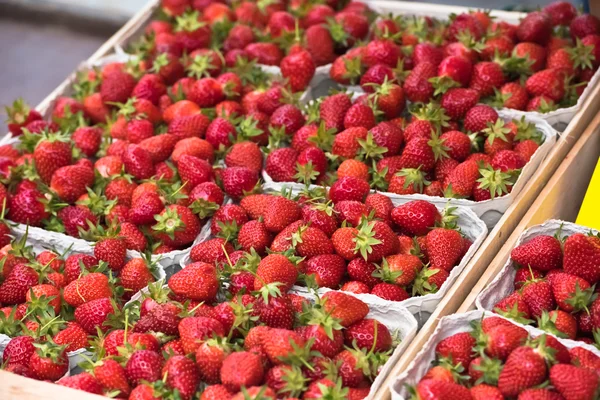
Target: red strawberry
{"x": 241, "y": 369}
{"x": 327, "y": 269}
{"x": 548, "y": 83}
{"x": 182, "y": 375}
{"x": 574, "y": 382}
{"x": 333, "y": 109}
{"x": 86, "y": 288}
{"x": 368, "y": 334}
{"x": 177, "y": 226}
{"x": 281, "y": 164}
{"x": 487, "y": 76}
{"x": 298, "y": 68}
{"x": 143, "y": 365}
{"x": 524, "y": 369}
{"x": 461, "y": 180}
{"x": 51, "y": 153}
{"x": 84, "y": 381}
{"x": 18, "y": 350}
{"x": 92, "y": 315}
{"x": 441, "y": 390}
{"x": 49, "y": 362}
{"x": 117, "y": 86}
{"x": 15, "y": 287}
{"x": 581, "y": 257}
{"x": 197, "y": 281}
{"x": 538, "y": 297}
{"x": 542, "y": 252}
{"x": 457, "y": 101}
{"x": 535, "y": 27}
{"x": 193, "y": 330}
{"x": 348, "y": 309}
{"x": 417, "y": 86}
{"x": 280, "y": 213}
{"x": 112, "y": 376}
{"x": 276, "y": 268}
{"x": 254, "y": 235}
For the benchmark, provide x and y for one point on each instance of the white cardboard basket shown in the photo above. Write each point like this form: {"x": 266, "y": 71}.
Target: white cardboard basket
{"x": 449, "y": 326}
{"x": 503, "y": 284}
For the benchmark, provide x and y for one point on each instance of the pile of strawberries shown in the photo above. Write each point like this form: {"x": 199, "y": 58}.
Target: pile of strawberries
{"x": 499, "y": 360}
{"x": 357, "y": 242}
{"x": 257, "y": 344}
{"x": 54, "y": 304}
{"x": 543, "y": 63}
{"x": 555, "y": 286}
{"x": 430, "y": 153}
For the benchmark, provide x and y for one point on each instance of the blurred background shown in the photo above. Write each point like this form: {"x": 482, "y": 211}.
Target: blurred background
{"x": 42, "y": 41}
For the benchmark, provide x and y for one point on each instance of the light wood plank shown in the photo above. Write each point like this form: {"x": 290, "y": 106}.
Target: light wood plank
{"x": 501, "y": 232}
{"x": 15, "y": 387}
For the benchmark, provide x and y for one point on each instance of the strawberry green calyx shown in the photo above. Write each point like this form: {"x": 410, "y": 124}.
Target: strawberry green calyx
{"x": 295, "y": 382}
{"x": 496, "y": 130}
{"x": 514, "y": 314}
{"x": 581, "y": 299}
{"x": 337, "y": 31}
{"x": 370, "y": 150}
{"x": 169, "y": 222}
{"x": 495, "y": 181}
{"x": 277, "y": 137}
{"x": 306, "y": 173}
{"x": 539, "y": 345}
{"x": 449, "y": 218}
{"x": 243, "y": 318}
{"x": 199, "y": 67}
{"x": 414, "y": 177}
{"x": 312, "y": 111}
{"x": 300, "y": 355}
{"x": 337, "y": 392}
{"x": 324, "y": 137}
{"x": 421, "y": 285}
{"x": 269, "y": 290}
{"x": 365, "y": 239}
{"x": 353, "y": 66}
{"x": 160, "y": 61}
{"x": 50, "y": 350}
{"x": 10, "y": 325}
{"x": 158, "y": 291}
{"x": 582, "y": 55}
{"x": 204, "y": 208}
{"x": 490, "y": 368}
{"x": 249, "y": 72}
{"x": 498, "y": 99}
{"x": 378, "y": 177}
{"x": 18, "y": 112}
{"x": 442, "y": 84}
{"x": 431, "y": 112}
{"x": 96, "y": 202}
{"x": 384, "y": 273}
{"x": 317, "y": 315}
{"x": 548, "y": 323}
{"x": 437, "y": 145}
{"x": 527, "y": 131}
{"x": 188, "y": 22}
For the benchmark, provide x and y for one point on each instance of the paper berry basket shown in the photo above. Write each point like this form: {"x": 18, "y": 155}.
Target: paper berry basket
{"x": 449, "y": 326}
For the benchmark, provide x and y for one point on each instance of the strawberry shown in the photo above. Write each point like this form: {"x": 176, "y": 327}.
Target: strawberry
{"x": 543, "y": 253}
{"x": 49, "y": 362}
{"x": 71, "y": 182}
{"x": 254, "y": 235}
{"x": 264, "y": 53}
{"x": 389, "y": 292}
{"x": 487, "y": 76}
{"x": 227, "y": 219}
{"x": 369, "y": 334}
{"x": 15, "y": 287}
{"x": 581, "y": 255}
{"x": 182, "y": 376}
{"x": 51, "y": 153}
{"x": 318, "y": 41}
{"x": 198, "y": 281}
{"x": 18, "y": 350}
{"x": 418, "y": 153}
{"x": 111, "y": 376}
{"x": 87, "y": 139}
{"x": 298, "y": 68}
{"x": 276, "y": 268}
{"x": 86, "y": 288}
{"x": 193, "y": 330}
{"x": 92, "y": 315}
{"x": 143, "y": 365}
{"x": 417, "y": 86}
{"x": 327, "y": 269}
{"x": 457, "y": 143}
{"x": 457, "y": 101}
{"x": 117, "y": 86}
{"x": 478, "y": 118}
{"x": 560, "y": 12}
{"x": 241, "y": 369}
{"x": 382, "y": 51}
{"x": 535, "y": 27}
{"x": 347, "y": 142}
{"x": 538, "y": 297}
{"x": 19, "y": 116}
{"x": 136, "y": 275}
{"x": 483, "y": 391}
{"x": 507, "y": 160}
{"x": 348, "y": 309}
{"x": 584, "y": 25}
{"x": 245, "y": 154}
{"x": 524, "y": 369}
{"x": 177, "y": 226}
{"x": 427, "y": 52}
{"x": 216, "y": 392}
{"x": 441, "y": 390}
{"x": 281, "y": 164}
{"x": 574, "y": 382}
{"x": 280, "y": 213}
{"x": 84, "y": 381}
{"x": 238, "y": 180}
{"x": 333, "y": 109}
{"x": 548, "y": 83}
{"x": 275, "y": 312}
{"x": 457, "y": 347}
{"x": 111, "y": 250}
{"x": 359, "y": 115}
{"x": 289, "y": 117}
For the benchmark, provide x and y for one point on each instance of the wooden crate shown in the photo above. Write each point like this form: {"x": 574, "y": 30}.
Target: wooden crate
{"x": 567, "y": 171}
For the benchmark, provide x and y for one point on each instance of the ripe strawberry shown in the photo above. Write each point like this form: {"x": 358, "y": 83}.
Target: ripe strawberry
{"x": 71, "y": 181}
{"x": 457, "y": 101}
{"x": 427, "y": 52}
{"x": 92, "y": 315}
{"x": 417, "y": 86}
{"x": 18, "y": 350}
{"x": 333, "y": 109}
{"x": 542, "y": 252}
{"x": 143, "y": 365}
{"x": 389, "y": 292}
{"x": 538, "y": 297}
{"x": 348, "y": 309}
{"x": 49, "y": 362}
{"x": 574, "y": 382}
{"x": 197, "y": 281}
{"x": 327, "y": 269}
{"x": 535, "y": 27}
{"x": 466, "y": 23}
{"x": 457, "y": 143}
{"x": 368, "y": 334}
{"x": 51, "y": 153}
{"x": 117, "y": 86}
{"x": 177, "y": 226}
{"x": 581, "y": 255}
{"x": 136, "y": 275}
{"x": 182, "y": 376}
{"x": 560, "y": 12}
{"x": 276, "y": 268}
{"x": 245, "y": 154}
{"x": 84, "y": 381}
{"x": 507, "y": 160}
{"x": 298, "y": 68}
{"x": 238, "y": 180}
{"x": 241, "y": 369}
{"x": 112, "y": 376}
{"x": 264, "y": 53}
{"x": 281, "y": 164}
{"x": 254, "y": 235}
{"x": 111, "y": 250}
{"x": 437, "y": 389}
{"x": 275, "y": 312}
{"x": 289, "y": 117}
{"x": 87, "y": 139}
{"x": 193, "y": 330}
{"x": 15, "y": 287}
{"x": 318, "y": 41}
{"x": 19, "y": 116}
{"x": 359, "y": 115}
{"x": 487, "y": 76}
{"x": 86, "y": 288}
{"x": 478, "y": 118}
{"x": 584, "y": 25}
{"x": 548, "y": 83}
{"x": 457, "y": 347}
{"x": 524, "y": 369}
{"x": 280, "y": 213}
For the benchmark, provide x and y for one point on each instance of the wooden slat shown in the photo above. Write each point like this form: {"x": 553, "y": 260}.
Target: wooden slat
{"x": 499, "y": 234}
{"x": 15, "y": 387}
{"x": 560, "y": 199}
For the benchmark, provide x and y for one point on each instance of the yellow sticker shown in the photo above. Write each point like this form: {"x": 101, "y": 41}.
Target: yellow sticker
{"x": 589, "y": 214}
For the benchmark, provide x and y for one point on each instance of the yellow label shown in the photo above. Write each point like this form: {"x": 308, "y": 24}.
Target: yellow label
{"x": 589, "y": 215}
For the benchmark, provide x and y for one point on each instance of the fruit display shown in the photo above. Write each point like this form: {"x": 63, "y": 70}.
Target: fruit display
{"x": 55, "y": 305}
{"x": 550, "y": 282}
{"x": 428, "y": 153}
{"x": 481, "y": 356}
{"x": 347, "y": 239}
{"x": 541, "y": 63}
{"x": 171, "y": 338}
